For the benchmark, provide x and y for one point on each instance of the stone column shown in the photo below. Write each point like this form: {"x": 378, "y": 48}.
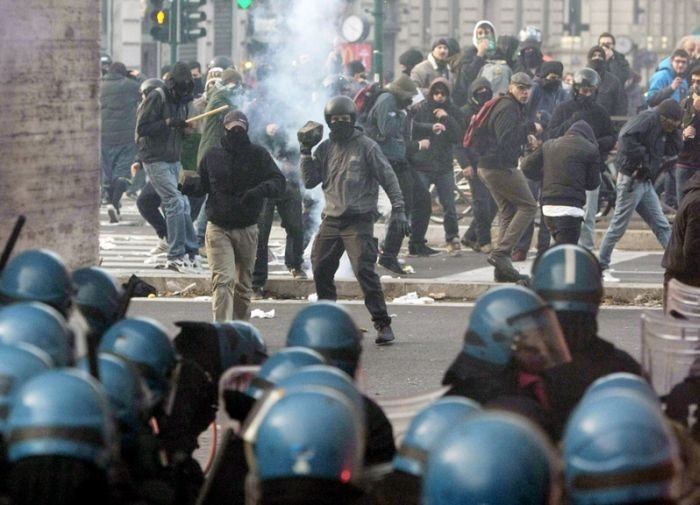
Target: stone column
{"x": 50, "y": 127}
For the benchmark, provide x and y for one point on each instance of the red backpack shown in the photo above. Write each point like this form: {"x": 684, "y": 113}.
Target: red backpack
{"x": 476, "y": 136}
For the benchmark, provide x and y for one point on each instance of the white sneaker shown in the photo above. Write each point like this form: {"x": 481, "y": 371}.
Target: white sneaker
{"x": 181, "y": 265}
{"x": 608, "y": 277}
{"x": 196, "y": 263}
{"x": 160, "y": 248}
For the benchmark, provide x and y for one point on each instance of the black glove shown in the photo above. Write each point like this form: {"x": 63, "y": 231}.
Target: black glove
{"x": 400, "y": 222}
{"x": 172, "y": 122}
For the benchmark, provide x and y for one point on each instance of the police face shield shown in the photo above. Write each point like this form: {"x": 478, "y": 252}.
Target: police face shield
{"x": 539, "y": 342}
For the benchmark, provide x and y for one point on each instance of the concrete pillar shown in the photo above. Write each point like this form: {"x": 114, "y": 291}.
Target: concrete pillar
{"x": 50, "y": 128}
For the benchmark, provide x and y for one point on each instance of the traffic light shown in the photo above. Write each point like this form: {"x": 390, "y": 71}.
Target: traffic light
{"x": 190, "y": 17}
{"x": 161, "y": 22}
{"x": 244, "y": 4}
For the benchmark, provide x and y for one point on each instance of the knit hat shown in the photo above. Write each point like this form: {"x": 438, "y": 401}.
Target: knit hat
{"x": 403, "y": 88}
{"x": 671, "y": 109}
{"x": 410, "y": 58}
{"x": 552, "y": 67}
{"x": 235, "y": 118}
{"x": 440, "y": 41}
{"x": 355, "y": 67}
{"x": 453, "y": 46}
{"x": 230, "y": 75}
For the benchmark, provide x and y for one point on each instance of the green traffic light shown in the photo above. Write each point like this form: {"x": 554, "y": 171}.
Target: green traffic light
{"x": 244, "y": 4}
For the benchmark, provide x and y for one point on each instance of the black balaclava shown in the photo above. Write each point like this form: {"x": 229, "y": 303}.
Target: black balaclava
{"x": 597, "y": 64}
{"x": 341, "y": 130}
{"x": 180, "y": 83}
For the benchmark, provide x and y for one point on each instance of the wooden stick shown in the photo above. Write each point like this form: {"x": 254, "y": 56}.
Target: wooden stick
{"x": 207, "y": 114}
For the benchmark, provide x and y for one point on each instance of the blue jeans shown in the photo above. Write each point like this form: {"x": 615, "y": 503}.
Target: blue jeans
{"x": 633, "y": 194}
{"x": 200, "y": 224}
{"x": 587, "y": 237}
{"x": 164, "y": 176}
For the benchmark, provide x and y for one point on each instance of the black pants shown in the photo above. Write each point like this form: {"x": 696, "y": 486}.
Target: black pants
{"x": 406, "y": 175}
{"x": 484, "y": 210}
{"x": 289, "y": 209}
{"x": 148, "y": 204}
{"x": 355, "y": 236}
{"x": 564, "y": 229}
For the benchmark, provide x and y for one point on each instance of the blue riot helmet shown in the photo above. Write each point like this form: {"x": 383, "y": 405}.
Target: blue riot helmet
{"x": 426, "y": 430}
{"x": 18, "y": 363}
{"x": 329, "y": 329}
{"x": 325, "y": 376}
{"x": 144, "y": 343}
{"x": 513, "y": 322}
{"x": 61, "y": 413}
{"x": 282, "y": 365}
{"x": 569, "y": 278}
{"x": 37, "y": 275}
{"x": 39, "y": 325}
{"x": 124, "y": 392}
{"x": 621, "y": 381}
{"x": 305, "y": 434}
{"x": 491, "y": 457}
{"x": 618, "y": 449}
{"x": 215, "y": 347}
{"x": 99, "y": 297}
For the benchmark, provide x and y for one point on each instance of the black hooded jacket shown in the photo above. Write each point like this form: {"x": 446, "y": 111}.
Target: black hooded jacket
{"x": 437, "y": 158}
{"x": 508, "y": 129}
{"x": 156, "y": 140}
{"x": 567, "y": 113}
{"x": 468, "y": 156}
{"x": 570, "y": 165}
{"x": 233, "y": 170}
{"x": 681, "y": 259}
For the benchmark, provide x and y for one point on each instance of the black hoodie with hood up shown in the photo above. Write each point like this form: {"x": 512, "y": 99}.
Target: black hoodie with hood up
{"x": 570, "y": 166}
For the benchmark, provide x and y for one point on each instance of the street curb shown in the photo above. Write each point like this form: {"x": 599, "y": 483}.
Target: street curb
{"x": 615, "y": 294}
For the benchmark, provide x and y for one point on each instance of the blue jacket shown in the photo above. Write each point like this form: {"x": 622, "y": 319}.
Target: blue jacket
{"x": 660, "y": 85}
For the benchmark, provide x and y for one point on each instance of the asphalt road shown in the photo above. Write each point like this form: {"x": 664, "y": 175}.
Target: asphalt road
{"x": 428, "y": 337}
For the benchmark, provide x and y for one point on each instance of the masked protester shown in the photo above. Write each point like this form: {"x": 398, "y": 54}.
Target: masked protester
{"x": 351, "y": 189}
{"x": 611, "y": 92}
{"x": 160, "y": 131}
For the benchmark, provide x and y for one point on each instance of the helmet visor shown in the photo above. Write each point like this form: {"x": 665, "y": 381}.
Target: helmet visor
{"x": 539, "y": 342}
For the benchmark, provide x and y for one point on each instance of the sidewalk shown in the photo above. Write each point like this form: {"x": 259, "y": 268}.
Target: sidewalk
{"x": 460, "y": 276}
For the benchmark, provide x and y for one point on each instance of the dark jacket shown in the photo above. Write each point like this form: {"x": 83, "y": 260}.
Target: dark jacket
{"x": 642, "y": 144}
{"x": 156, "y": 141}
{"x": 611, "y": 94}
{"x": 618, "y": 66}
{"x": 213, "y": 128}
{"x": 508, "y": 129}
{"x": 467, "y": 156}
{"x": 689, "y": 156}
{"x": 469, "y": 66}
{"x": 230, "y": 172}
{"x": 392, "y": 126}
{"x": 544, "y": 99}
{"x": 438, "y": 157}
{"x": 568, "y": 166}
{"x": 351, "y": 173}
{"x": 567, "y": 113}
{"x": 119, "y": 98}
{"x": 682, "y": 257}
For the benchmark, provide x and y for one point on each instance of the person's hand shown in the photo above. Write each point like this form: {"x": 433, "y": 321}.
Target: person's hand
{"x": 689, "y": 132}
{"x": 400, "y": 222}
{"x": 533, "y": 142}
{"x": 440, "y": 113}
{"x": 424, "y": 144}
{"x": 468, "y": 171}
{"x": 172, "y": 122}
{"x": 696, "y": 104}
{"x": 608, "y": 52}
{"x": 438, "y": 128}
{"x": 538, "y": 130}
{"x": 482, "y": 46}
{"x": 135, "y": 167}
{"x": 271, "y": 129}
{"x": 676, "y": 83}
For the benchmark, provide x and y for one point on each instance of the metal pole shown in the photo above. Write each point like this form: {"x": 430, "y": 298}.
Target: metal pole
{"x": 174, "y": 30}
{"x": 378, "y": 53}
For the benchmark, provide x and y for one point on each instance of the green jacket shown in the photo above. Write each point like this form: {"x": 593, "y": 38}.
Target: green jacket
{"x": 214, "y": 125}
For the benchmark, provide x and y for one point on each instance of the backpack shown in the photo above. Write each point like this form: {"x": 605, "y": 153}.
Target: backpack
{"x": 498, "y": 73}
{"x": 364, "y": 103}
{"x": 477, "y": 135}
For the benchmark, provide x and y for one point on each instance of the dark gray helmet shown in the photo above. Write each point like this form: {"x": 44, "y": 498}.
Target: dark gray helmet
{"x": 222, "y": 62}
{"x": 150, "y": 84}
{"x": 586, "y": 78}
{"x": 338, "y": 106}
